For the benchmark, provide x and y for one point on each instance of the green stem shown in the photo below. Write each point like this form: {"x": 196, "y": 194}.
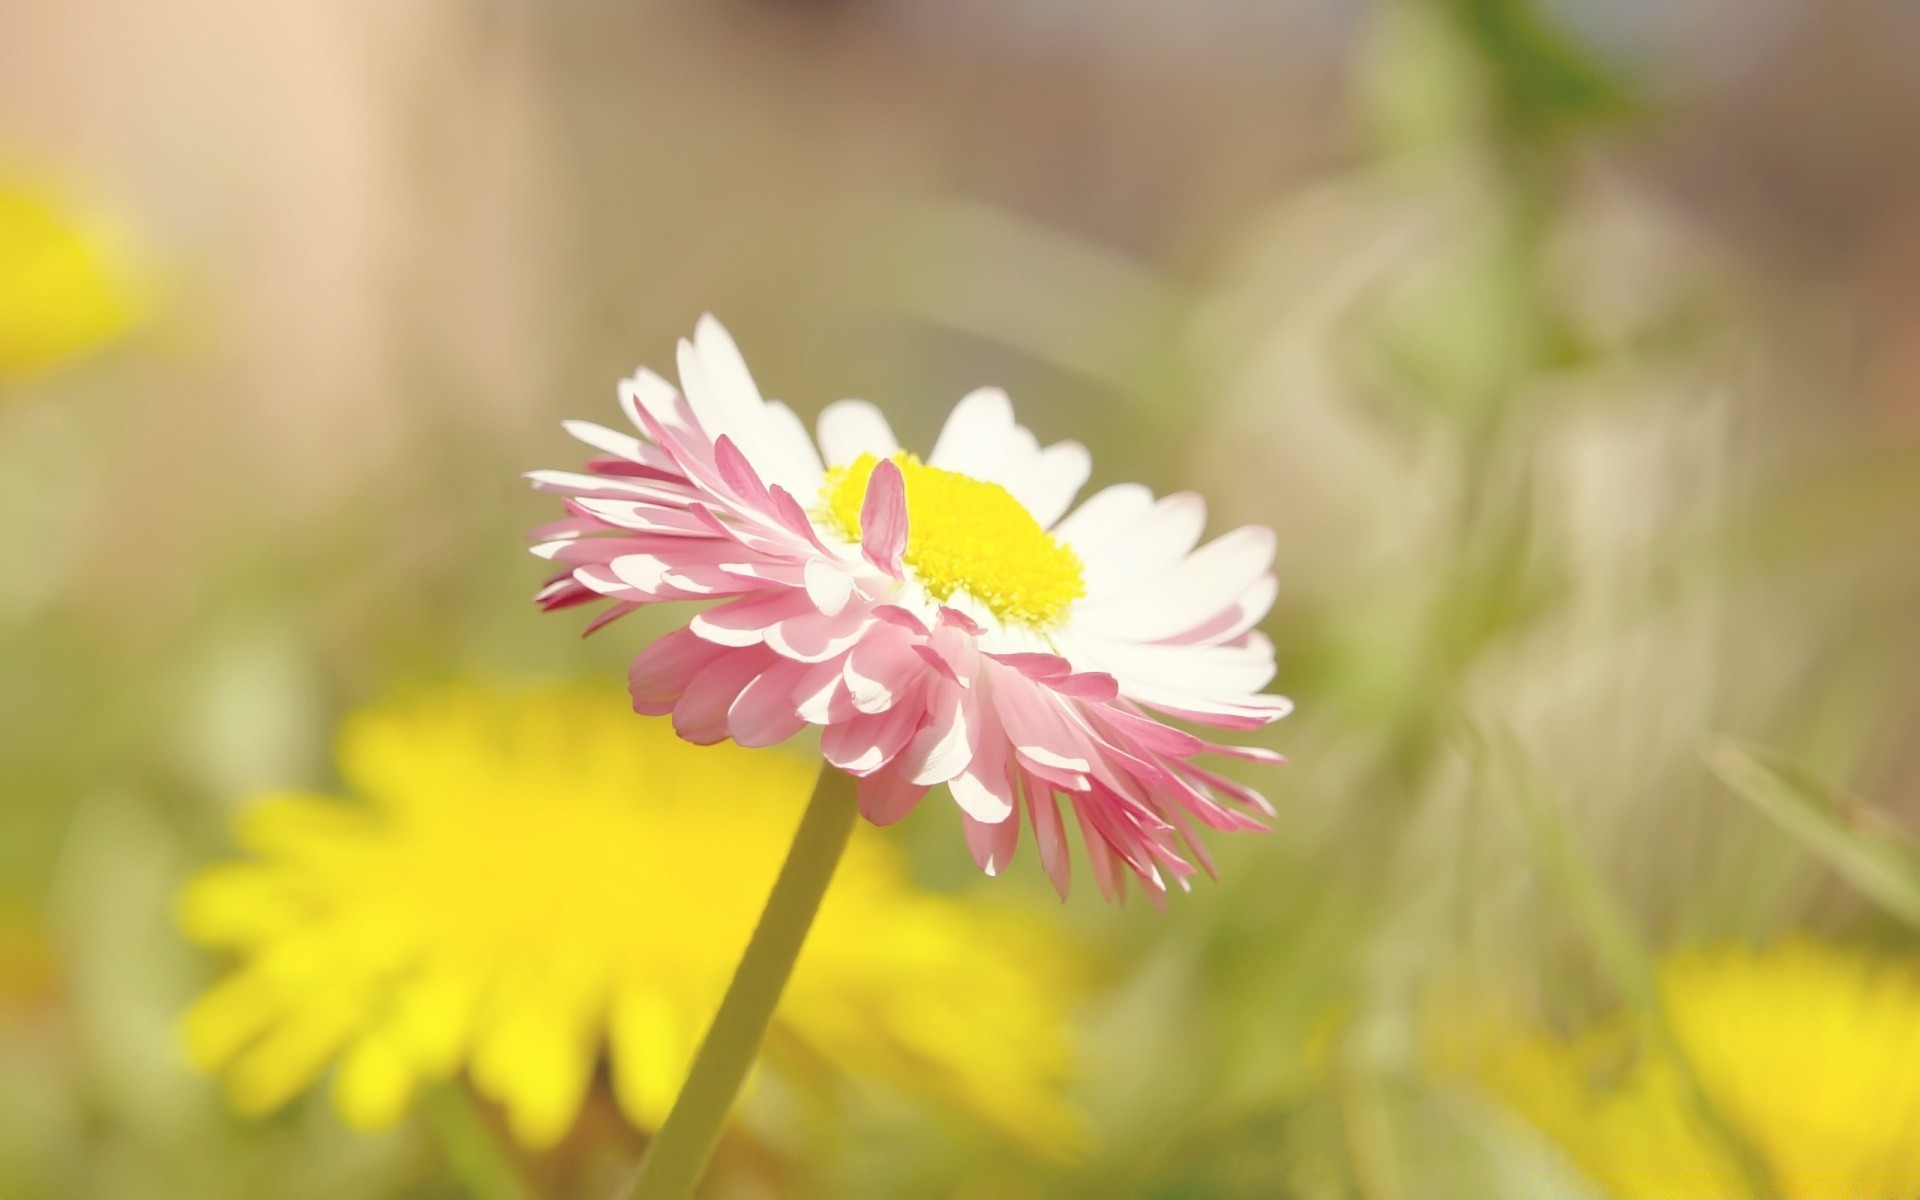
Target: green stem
{"x": 474, "y": 1153}
{"x": 1623, "y": 956}
{"x": 685, "y": 1142}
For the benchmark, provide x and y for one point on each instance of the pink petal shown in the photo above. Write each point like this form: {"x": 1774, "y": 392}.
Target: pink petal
{"x": 1099, "y": 856}
{"x": 953, "y": 618}
{"x": 883, "y": 518}
{"x": 869, "y": 741}
{"x": 956, "y": 652}
{"x": 1146, "y": 734}
{"x": 1043, "y": 813}
{"x": 1258, "y": 754}
{"x": 1038, "y": 731}
{"x": 1066, "y": 773}
{"x": 564, "y": 592}
{"x": 941, "y": 749}
{"x": 746, "y": 621}
{"x": 1194, "y": 844}
{"x": 793, "y": 518}
{"x": 1036, "y": 666}
{"x": 809, "y": 636}
{"x": 700, "y": 716}
{"x": 820, "y": 697}
{"x": 640, "y": 516}
{"x": 881, "y": 669}
{"x": 992, "y": 845}
{"x": 599, "y": 579}
{"x": 985, "y": 790}
{"x": 1095, "y": 687}
{"x": 828, "y": 584}
{"x": 608, "y": 616}
{"x": 739, "y": 476}
{"x": 763, "y": 714}
{"x": 662, "y": 671}
{"x": 893, "y": 614}
{"x": 886, "y": 797}
{"x": 1239, "y": 791}
{"x": 620, "y": 468}
{"x": 603, "y": 487}
{"x": 931, "y": 657}
{"x": 1138, "y": 848}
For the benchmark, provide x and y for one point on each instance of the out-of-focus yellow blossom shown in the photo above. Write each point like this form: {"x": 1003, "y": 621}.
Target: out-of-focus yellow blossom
{"x": 1811, "y": 1053}
{"x": 64, "y": 289}
{"x": 538, "y": 881}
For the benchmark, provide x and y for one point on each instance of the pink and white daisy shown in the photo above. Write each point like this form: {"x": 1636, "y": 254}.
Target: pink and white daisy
{"x": 949, "y": 621}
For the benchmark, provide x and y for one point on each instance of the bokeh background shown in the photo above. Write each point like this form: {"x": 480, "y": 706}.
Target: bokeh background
{"x": 1572, "y": 347}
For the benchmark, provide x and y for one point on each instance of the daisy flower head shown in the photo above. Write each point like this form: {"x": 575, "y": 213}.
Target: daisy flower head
{"x": 528, "y": 886}
{"x": 953, "y": 620}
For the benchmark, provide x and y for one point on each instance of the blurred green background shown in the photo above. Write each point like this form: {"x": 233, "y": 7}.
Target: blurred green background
{"x": 1572, "y": 348}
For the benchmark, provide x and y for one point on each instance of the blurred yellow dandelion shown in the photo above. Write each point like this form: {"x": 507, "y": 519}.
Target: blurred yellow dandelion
{"x": 535, "y": 883}
{"x": 64, "y": 290}
{"x": 1810, "y": 1052}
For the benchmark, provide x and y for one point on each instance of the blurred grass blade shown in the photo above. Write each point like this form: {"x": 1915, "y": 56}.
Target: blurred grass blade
{"x": 1877, "y": 860}
{"x": 474, "y": 1153}
{"x": 1622, "y": 954}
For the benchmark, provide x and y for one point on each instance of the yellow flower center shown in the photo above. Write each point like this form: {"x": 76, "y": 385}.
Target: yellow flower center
{"x": 967, "y": 535}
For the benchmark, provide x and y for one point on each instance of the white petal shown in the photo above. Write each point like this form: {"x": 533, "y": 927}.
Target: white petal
{"x": 787, "y": 436}
{"x": 1053, "y": 758}
{"x": 644, "y": 571}
{"x": 646, "y": 516}
{"x": 725, "y": 372}
{"x": 655, "y": 492}
{"x": 1014, "y": 461}
{"x": 728, "y": 404}
{"x": 850, "y": 428}
{"x": 943, "y": 748}
{"x": 1145, "y": 546}
{"x": 1105, "y": 513}
{"x": 774, "y": 439}
{"x": 619, "y": 445}
{"x": 648, "y": 391}
{"x": 982, "y": 440}
{"x": 829, "y": 586}
{"x": 976, "y": 438}
{"x": 1220, "y": 671}
{"x": 1050, "y": 482}
{"x": 710, "y": 401}
{"x": 978, "y": 799}
{"x": 1199, "y": 587}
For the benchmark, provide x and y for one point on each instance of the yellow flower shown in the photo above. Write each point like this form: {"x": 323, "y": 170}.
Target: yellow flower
{"x": 537, "y": 882}
{"x": 1810, "y": 1052}
{"x": 63, "y": 285}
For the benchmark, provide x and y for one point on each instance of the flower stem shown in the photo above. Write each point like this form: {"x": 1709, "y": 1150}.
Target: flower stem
{"x": 473, "y": 1151}
{"x": 686, "y": 1140}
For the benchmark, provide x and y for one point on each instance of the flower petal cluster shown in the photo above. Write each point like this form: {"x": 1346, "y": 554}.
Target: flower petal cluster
{"x": 533, "y": 884}
{"x": 1809, "y": 1052}
{"x": 955, "y": 621}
